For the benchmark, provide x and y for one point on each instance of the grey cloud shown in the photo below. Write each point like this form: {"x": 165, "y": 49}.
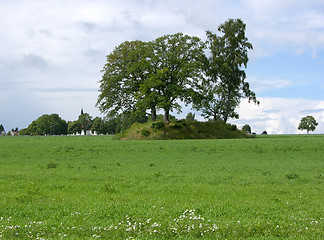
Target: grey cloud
{"x": 94, "y": 55}
{"x": 58, "y": 90}
{"x": 45, "y": 32}
{"x": 87, "y": 26}
{"x": 34, "y": 61}
{"x": 309, "y": 111}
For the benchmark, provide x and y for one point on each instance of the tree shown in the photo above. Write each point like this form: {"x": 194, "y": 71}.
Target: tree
{"x": 74, "y": 127}
{"x": 177, "y": 72}
{"x": 86, "y": 121}
{"x": 47, "y": 124}
{"x": 140, "y": 76}
{"x": 1, "y": 128}
{"x": 307, "y": 123}
{"x": 225, "y": 83}
{"x": 246, "y": 128}
{"x": 190, "y": 117}
{"x": 98, "y": 126}
{"x": 127, "y": 67}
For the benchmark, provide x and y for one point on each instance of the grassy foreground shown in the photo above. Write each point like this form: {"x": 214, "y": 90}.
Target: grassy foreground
{"x": 92, "y": 187}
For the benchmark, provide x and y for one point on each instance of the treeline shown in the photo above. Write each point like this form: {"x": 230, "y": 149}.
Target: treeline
{"x": 53, "y": 124}
{"x": 141, "y": 78}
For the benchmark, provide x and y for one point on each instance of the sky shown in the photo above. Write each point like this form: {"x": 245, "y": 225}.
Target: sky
{"x": 52, "y": 53}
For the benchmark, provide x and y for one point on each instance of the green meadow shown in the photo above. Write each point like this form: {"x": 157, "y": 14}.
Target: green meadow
{"x": 93, "y": 187}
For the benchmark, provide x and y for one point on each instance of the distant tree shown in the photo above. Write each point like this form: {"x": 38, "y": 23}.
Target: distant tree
{"x": 246, "y": 128}
{"x": 24, "y": 131}
{"x": 47, "y": 124}
{"x": 264, "y": 132}
{"x": 74, "y": 127}
{"x": 98, "y": 126}
{"x": 86, "y": 121}
{"x": 190, "y": 117}
{"x": 112, "y": 125}
{"x": 225, "y": 84}
{"x": 307, "y": 123}
{"x": 127, "y": 119}
{"x": 1, "y": 128}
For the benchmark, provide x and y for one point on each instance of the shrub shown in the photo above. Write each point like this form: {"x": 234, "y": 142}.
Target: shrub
{"x": 246, "y": 128}
{"x": 157, "y": 125}
{"x": 51, "y": 165}
{"x": 177, "y": 125}
{"x": 292, "y": 176}
{"x": 231, "y": 127}
{"x": 145, "y": 133}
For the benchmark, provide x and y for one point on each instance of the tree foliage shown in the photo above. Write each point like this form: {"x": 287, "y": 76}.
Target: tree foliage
{"x": 86, "y": 121}
{"x": 74, "y": 127}
{"x": 173, "y": 70}
{"x": 47, "y": 124}
{"x": 246, "y": 128}
{"x": 225, "y": 83}
{"x": 307, "y": 123}
{"x": 177, "y": 70}
{"x": 126, "y": 69}
{"x": 140, "y": 76}
{"x": 190, "y": 117}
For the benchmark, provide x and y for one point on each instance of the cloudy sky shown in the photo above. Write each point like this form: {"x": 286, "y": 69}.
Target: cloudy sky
{"x": 52, "y": 53}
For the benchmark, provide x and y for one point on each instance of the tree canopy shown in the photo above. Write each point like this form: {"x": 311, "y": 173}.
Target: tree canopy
{"x": 225, "y": 83}
{"x": 246, "y": 128}
{"x": 47, "y": 124}
{"x": 307, "y": 123}
{"x": 178, "y": 69}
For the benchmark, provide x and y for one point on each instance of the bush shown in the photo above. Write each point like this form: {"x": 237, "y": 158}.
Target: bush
{"x": 176, "y": 125}
{"x": 157, "y": 125}
{"x": 231, "y": 127}
{"x": 145, "y": 133}
{"x": 51, "y": 165}
{"x": 292, "y": 176}
{"x": 246, "y": 128}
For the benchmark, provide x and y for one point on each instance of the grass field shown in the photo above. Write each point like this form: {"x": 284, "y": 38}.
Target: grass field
{"x": 94, "y": 187}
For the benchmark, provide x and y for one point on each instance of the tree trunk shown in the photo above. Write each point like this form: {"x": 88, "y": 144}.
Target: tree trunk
{"x": 153, "y": 113}
{"x": 166, "y": 115}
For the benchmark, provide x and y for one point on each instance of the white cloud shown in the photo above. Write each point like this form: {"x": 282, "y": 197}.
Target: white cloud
{"x": 260, "y": 85}
{"x": 279, "y": 115}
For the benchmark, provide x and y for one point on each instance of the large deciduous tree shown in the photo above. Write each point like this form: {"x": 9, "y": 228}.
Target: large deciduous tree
{"x": 225, "y": 83}
{"x": 307, "y": 123}
{"x": 176, "y": 72}
{"x": 140, "y": 76}
{"x": 126, "y": 69}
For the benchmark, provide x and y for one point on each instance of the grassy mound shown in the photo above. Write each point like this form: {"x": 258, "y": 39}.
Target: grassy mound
{"x": 181, "y": 130}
